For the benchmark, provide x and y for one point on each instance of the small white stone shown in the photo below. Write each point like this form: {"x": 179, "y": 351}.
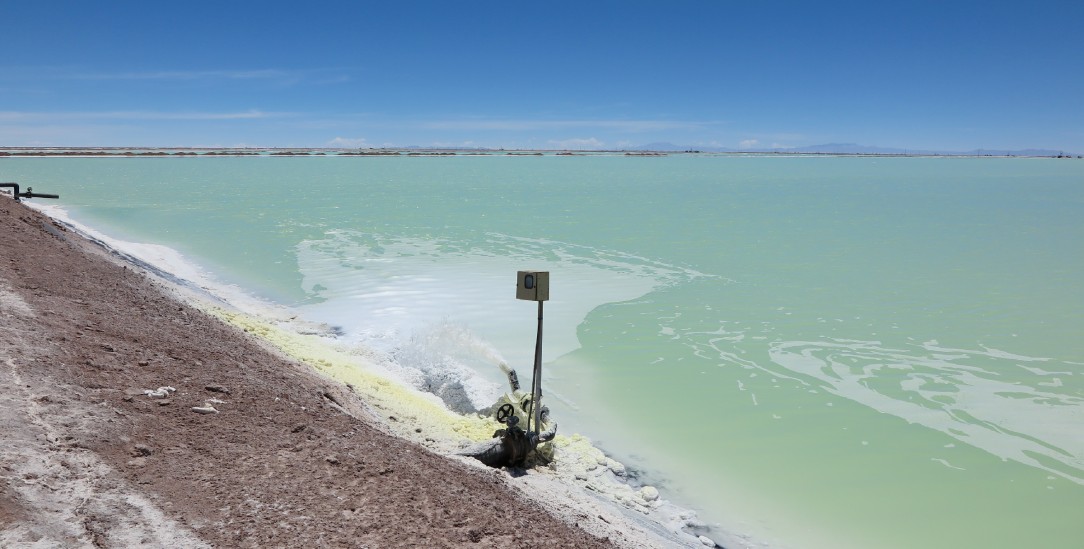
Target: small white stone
{"x": 161, "y": 392}
{"x": 205, "y": 409}
{"x": 649, "y": 493}
{"x": 706, "y": 541}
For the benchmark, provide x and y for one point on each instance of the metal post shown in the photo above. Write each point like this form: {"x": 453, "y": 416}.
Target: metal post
{"x": 535, "y": 286}
{"x": 536, "y": 384}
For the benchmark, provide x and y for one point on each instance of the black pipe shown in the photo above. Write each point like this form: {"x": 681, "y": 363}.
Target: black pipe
{"x": 12, "y": 186}
{"x": 28, "y": 194}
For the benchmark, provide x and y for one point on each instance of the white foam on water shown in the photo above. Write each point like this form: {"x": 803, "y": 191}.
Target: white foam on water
{"x": 431, "y": 302}
{"x": 955, "y": 391}
{"x": 994, "y": 400}
{"x": 947, "y": 464}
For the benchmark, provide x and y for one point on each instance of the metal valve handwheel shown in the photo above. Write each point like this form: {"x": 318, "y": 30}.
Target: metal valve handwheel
{"x": 504, "y": 412}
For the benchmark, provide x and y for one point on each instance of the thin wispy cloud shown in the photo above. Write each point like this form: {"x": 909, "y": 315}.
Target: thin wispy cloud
{"x": 348, "y": 142}
{"x": 578, "y": 144}
{"x": 185, "y": 75}
{"x": 566, "y": 124}
{"x": 18, "y": 116}
{"x": 329, "y": 75}
{"x": 779, "y": 140}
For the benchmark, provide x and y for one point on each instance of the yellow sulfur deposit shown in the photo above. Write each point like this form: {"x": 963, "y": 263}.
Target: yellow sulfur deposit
{"x": 406, "y": 409}
{"x": 416, "y": 415}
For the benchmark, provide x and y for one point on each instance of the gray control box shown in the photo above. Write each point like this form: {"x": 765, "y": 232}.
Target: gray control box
{"x": 533, "y": 285}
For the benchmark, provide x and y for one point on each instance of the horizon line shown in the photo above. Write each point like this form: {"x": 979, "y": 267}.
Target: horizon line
{"x": 57, "y": 150}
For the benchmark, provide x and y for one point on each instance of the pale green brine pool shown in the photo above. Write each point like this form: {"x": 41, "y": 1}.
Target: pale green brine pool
{"x": 810, "y": 352}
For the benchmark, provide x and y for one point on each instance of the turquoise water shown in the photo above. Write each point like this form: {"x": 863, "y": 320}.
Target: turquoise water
{"x": 813, "y": 352}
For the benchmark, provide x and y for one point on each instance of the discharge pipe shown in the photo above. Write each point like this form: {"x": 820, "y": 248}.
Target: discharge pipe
{"x": 28, "y": 194}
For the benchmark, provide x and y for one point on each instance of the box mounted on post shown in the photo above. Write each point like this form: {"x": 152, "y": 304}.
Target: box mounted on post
{"x": 533, "y": 285}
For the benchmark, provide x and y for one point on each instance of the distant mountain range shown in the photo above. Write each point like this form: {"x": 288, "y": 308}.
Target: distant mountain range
{"x": 851, "y": 148}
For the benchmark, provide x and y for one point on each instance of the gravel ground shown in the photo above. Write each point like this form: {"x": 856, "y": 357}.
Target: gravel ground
{"x": 287, "y": 458}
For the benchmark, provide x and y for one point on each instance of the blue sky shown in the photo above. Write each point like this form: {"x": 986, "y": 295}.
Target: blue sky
{"x": 917, "y": 75}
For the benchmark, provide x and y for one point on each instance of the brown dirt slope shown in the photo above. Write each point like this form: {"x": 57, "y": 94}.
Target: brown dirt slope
{"x": 88, "y": 460}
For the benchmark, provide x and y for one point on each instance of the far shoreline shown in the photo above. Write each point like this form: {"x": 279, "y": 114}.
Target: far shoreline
{"x": 190, "y": 152}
